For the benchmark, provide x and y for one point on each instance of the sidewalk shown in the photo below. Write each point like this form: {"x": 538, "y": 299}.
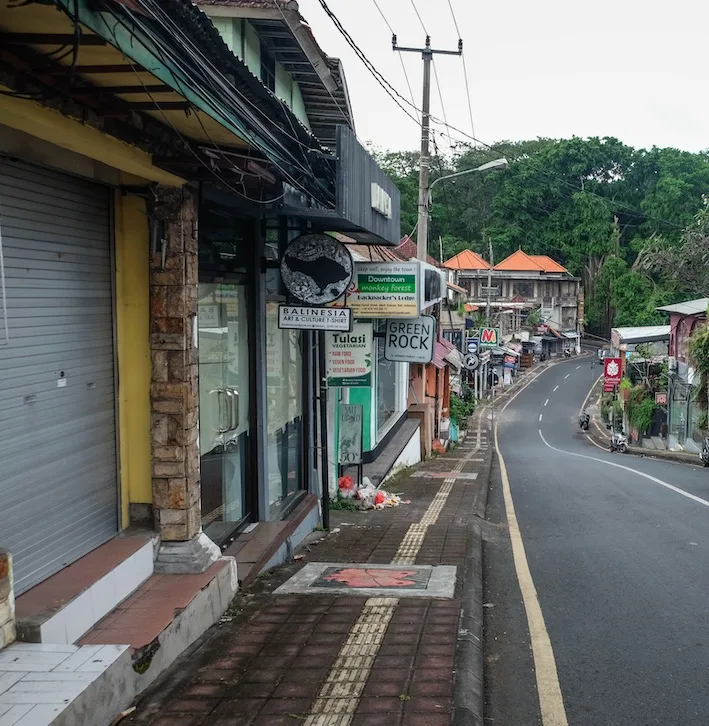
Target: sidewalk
{"x": 379, "y": 623}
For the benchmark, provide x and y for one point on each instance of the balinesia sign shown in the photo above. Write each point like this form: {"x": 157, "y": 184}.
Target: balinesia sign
{"x": 410, "y": 341}
{"x": 305, "y": 317}
{"x": 349, "y": 357}
{"x": 612, "y": 373}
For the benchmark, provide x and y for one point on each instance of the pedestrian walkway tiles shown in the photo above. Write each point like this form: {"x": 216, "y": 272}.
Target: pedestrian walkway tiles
{"x": 445, "y": 475}
{"x": 394, "y": 580}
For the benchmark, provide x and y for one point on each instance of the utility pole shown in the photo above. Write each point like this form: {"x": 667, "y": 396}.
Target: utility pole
{"x": 427, "y": 54}
{"x": 489, "y": 280}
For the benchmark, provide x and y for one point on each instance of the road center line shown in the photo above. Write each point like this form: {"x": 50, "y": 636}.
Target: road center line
{"x": 567, "y": 375}
{"x": 540, "y": 416}
{"x": 662, "y": 483}
{"x": 556, "y": 388}
{"x": 546, "y": 403}
{"x": 577, "y": 367}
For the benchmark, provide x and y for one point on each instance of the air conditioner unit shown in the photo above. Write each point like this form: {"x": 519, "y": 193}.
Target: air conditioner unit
{"x": 672, "y": 363}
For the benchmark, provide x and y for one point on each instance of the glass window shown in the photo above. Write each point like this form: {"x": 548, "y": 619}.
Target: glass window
{"x": 386, "y": 375}
{"x": 525, "y": 289}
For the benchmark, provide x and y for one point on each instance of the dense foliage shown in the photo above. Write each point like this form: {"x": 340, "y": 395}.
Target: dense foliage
{"x": 630, "y": 222}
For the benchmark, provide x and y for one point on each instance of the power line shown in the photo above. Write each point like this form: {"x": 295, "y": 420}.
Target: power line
{"x": 443, "y": 107}
{"x": 465, "y": 69}
{"x": 418, "y": 15}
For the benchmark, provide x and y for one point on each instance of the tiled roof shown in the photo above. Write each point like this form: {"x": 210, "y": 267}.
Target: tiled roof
{"x": 519, "y": 262}
{"x": 548, "y": 264}
{"x": 466, "y": 260}
{"x": 407, "y": 251}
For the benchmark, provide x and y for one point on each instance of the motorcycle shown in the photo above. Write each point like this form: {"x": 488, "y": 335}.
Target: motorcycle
{"x": 567, "y": 353}
{"x": 619, "y": 443}
{"x": 704, "y": 453}
{"x": 584, "y": 421}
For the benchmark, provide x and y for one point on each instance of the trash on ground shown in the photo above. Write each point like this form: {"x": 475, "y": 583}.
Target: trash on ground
{"x": 368, "y": 496}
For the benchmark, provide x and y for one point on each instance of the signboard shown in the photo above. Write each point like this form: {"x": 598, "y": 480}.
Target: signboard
{"x": 384, "y": 290}
{"x": 510, "y": 361}
{"x": 661, "y": 398}
{"x": 471, "y": 361}
{"x": 489, "y": 337}
{"x": 303, "y": 317}
{"x": 410, "y": 341}
{"x": 349, "y": 448}
{"x": 349, "y": 357}
{"x": 316, "y": 268}
{"x": 209, "y": 316}
{"x": 612, "y": 373}
{"x": 381, "y": 201}
{"x": 431, "y": 284}
{"x": 472, "y": 345}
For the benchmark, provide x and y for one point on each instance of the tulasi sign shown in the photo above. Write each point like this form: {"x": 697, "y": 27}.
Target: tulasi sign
{"x": 304, "y": 317}
{"x": 349, "y": 357}
{"x": 410, "y": 341}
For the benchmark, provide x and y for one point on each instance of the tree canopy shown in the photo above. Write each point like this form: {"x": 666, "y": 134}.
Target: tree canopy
{"x": 605, "y": 210}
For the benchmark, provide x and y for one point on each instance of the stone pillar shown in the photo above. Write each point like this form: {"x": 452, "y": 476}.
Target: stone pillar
{"x": 8, "y": 631}
{"x": 174, "y": 390}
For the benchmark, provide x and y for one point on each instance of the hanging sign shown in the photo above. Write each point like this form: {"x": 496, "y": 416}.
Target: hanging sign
{"x": 489, "y": 337}
{"x": 349, "y": 449}
{"x": 661, "y": 398}
{"x": 612, "y": 373}
{"x": 410, "y": 341}
{"x": 304, "y": 317}
{"x": 384, "y": 290}
{"x": 349, "y": 357}
{"x": 316, "y": 269}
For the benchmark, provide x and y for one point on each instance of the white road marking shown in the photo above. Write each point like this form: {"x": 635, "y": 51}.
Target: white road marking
{"x": 567, "y": 375}
{"x": 577, "y": 367}
{"x": 551, "y": 702}
{"x": 540, "y": 416}
{"x": 556, "y": 388}
{"x": 546, "y": 403}
{"x": 662, "y": 483}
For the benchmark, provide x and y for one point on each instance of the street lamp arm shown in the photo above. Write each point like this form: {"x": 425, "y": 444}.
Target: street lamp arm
{"x": 495, "y": 164}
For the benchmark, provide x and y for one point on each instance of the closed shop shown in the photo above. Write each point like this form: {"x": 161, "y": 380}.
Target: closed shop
{"x": 58, "y": 469}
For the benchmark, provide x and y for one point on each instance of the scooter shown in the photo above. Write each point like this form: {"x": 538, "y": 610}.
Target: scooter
{"x": 584, "y": 421}
{"x": 567, "y": 353}
{"x": 704, "y": 453}
{"x": 619, "y": 442}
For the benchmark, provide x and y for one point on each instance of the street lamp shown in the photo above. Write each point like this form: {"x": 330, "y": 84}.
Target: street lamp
{"x": 489, "y": 166}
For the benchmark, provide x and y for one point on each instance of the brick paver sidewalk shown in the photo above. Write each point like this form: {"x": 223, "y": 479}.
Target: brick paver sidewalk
{"x": 335, "y": 659}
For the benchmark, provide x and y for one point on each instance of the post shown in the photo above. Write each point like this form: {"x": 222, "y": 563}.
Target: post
{"x": 422, "y": 236}
{"x": 489, "y": 280}
{"x": 324, "y": 463}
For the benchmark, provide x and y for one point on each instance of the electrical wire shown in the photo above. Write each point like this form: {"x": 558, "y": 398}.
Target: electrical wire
{"x": 418, "y": 15}
{"x": 465, "y": 68}
{"x": 443, "y": 107}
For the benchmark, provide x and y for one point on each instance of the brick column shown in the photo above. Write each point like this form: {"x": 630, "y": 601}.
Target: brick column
{"x": 174, "y": 390}
{"x": 8, "y": 631}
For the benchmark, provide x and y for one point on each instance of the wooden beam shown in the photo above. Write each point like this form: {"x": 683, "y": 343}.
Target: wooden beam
{"x": 111, "y": 109}
{"x": 50, "y": 39}
{"x": 95, "y": 90}
{"x": 97, "y": 70}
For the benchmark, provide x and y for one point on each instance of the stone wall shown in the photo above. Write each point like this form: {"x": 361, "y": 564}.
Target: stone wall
{"x": 8, "y": 632}
{"x": 174, "y": 390}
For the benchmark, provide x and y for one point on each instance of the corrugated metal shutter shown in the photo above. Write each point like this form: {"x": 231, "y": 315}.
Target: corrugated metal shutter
{"x": 58, "y": 479}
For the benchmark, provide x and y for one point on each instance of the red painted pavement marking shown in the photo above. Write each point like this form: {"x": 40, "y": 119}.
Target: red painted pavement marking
{"x": 372, "y": 577}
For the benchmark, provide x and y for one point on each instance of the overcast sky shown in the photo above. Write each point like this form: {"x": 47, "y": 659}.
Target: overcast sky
{"x": 635, "y": 70}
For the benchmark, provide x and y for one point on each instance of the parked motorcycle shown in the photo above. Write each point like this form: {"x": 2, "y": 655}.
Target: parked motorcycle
{"x": 619, "y": 443}
{"x": 567, "y": 353}
{"x": 704, "y": 453}
{"x": 584, "y": 421}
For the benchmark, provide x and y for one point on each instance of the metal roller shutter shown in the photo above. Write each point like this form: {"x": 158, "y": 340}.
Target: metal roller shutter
{"x": 58, "y": 471}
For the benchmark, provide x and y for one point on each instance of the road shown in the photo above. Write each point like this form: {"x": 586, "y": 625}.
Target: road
{"x": 619, "y": 563}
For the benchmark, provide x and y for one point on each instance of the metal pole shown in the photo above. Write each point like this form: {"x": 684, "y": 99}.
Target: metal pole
{"x": 324, "y": 463}
{"x": 422, "y": 236}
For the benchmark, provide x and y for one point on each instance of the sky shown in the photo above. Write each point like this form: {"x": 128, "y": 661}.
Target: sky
{"x": 638, "y": 71}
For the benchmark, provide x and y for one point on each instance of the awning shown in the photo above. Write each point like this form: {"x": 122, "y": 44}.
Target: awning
{"x": 453, "y": 356}
{"x": 439, "y": 355}
{"x": 571, "y": 334}
{"x": 456, "y": 288}
{"x": 470, "y": 308}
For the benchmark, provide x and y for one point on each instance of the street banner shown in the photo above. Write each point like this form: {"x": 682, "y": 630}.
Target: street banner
{"x": 612, "y": 373}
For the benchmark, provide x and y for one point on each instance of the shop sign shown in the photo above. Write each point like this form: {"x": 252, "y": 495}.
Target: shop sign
{"x": 489, "y": 337}
{"x": 316, "y": 269}
{"x": 612, "y": 373}
{"x": 381, "y": 201}
{"x": 410, "y": 341}
{"x": 208, "y": 316}
{"x": 661, "y": 398}
{"x": 510, "y": 361}
{"x": 472, "y": 345}
{"x": 304, "y": 317}
{"x": 432, "y": 285}
{"x": 349, "y": 449}
{"x": 349, "y": 357}
{"x": 384, "y": 290}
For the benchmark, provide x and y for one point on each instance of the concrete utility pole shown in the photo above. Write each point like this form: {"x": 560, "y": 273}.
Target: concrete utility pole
{"x": 427, "y": 54}
{"x": 489, "y": 281}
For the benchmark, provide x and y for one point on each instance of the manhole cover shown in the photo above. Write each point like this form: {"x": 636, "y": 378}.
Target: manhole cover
{"x": 372, "y": 580}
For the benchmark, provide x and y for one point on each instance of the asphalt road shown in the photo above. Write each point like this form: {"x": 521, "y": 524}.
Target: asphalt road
{"x": 620, "y": 563}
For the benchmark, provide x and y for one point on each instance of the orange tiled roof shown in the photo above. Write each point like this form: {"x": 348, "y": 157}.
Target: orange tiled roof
{"x": 519, "y": 262}
{"x": 548, "y": 264}
{"x": 466, "y": 260}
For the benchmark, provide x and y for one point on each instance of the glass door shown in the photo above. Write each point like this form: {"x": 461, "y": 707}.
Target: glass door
{"x": 224, "y": 430}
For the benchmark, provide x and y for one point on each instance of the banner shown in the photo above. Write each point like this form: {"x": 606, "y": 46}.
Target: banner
{"x": 612, "y": 373}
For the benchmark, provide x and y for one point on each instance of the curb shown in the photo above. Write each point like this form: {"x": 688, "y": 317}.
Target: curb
{"x": 468, "y": 688}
